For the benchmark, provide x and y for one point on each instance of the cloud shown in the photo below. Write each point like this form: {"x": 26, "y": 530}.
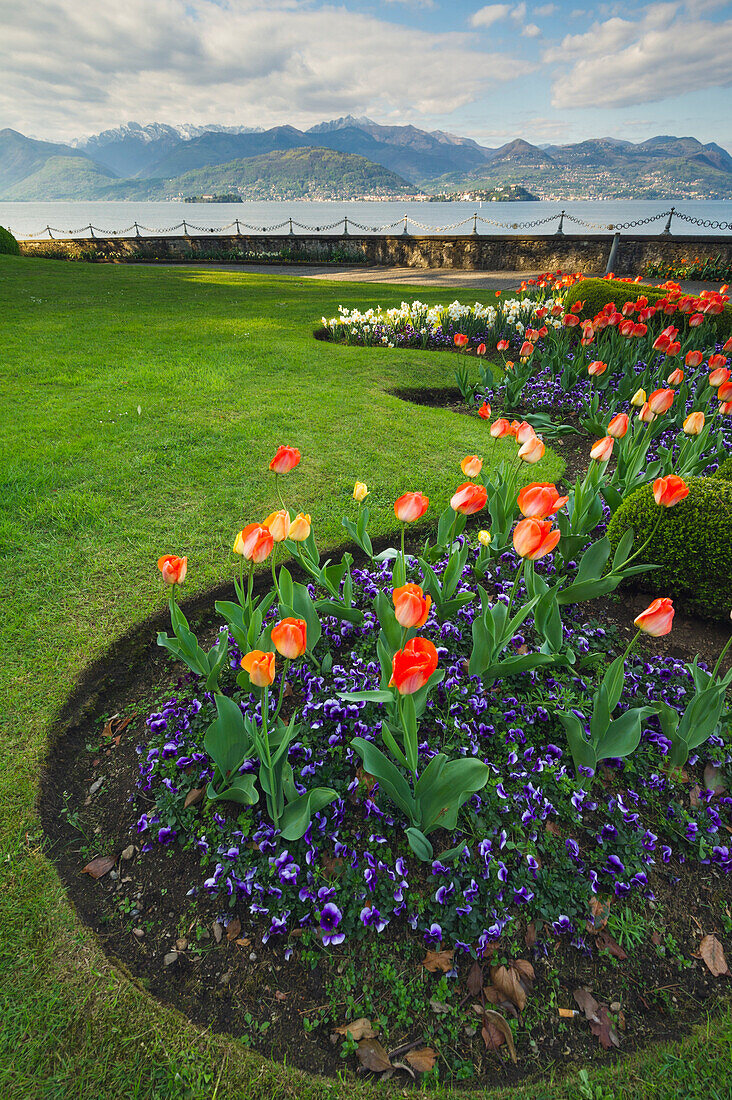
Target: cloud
{"x": 74, "y": 66}
{"x": 492, "y": 13}
{"x": 531, "y": 31}
{"x": 623, "y": 63}
{"x": 545, "y": 9}
{"x": 413, "y": 3}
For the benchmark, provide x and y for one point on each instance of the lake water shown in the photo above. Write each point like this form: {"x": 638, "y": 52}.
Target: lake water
{"x": 28, "y": 219}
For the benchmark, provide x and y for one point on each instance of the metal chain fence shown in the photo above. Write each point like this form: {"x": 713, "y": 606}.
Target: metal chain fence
{"x": 405, "y": 221}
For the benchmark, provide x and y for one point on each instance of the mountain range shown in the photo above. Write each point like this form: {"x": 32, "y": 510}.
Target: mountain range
{"x": 348, "y": 158}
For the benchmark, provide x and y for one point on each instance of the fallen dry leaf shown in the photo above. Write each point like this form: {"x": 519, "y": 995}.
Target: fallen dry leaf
{"x": 357, "y": 1029}
{"x": 438, "y": 960}
{"x": 99, "y": 866}
{"x": 494, "y": 997}
{"x": 552, "y": 828}
{"x": 713, "y": 779}
{"x": 530, "y": 937}
{"x": 279, "y": 996}
{"x": 194, "y": 795}
{"x": 475, "y": 979}
{"x": 604, "y": 1030}
{"x": 600, "y": 910}
{"x": 422, "y": 1059}
{"x": 694, "y": 793}
{"x": 218, "y": 931}
{"x": 712, "y": 952}
{"x": 514, "y": 981}
{"x": 587, "y": 1003}
{"x": 233, "y": 929}
{"x": 495, "y": 1030}
{"x": 372, "y": 1056}
{"x": 605, "y": 942}
{"x": 243, "y": 941}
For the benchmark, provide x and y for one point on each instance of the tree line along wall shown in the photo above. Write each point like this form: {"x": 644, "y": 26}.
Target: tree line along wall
{"x": 588, "y": 254}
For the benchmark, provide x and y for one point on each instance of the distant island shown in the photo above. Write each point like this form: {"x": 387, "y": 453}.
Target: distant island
{"x": 353, "y": 158}
{"x": 512, "y": 192}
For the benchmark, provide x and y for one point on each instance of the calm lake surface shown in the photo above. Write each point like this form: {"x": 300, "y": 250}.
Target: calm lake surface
{"x": 28, "y": 219}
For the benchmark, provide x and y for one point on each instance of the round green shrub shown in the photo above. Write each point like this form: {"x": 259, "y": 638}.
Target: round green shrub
{"x": 596, "y": 293}
{"x": 725, "y": 469}
{"x": 8, "y": 243}
{"x": 692, "y": 546}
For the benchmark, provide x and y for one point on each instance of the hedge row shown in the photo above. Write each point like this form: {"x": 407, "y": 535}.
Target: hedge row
{"x": 596, "y": 293}
{"x": 8, "y": 243}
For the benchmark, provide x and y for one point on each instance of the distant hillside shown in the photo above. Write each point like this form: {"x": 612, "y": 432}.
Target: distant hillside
{"x": 147, "y": 162}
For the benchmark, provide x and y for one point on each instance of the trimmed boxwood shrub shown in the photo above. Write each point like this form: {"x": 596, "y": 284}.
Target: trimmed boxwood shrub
{"x": 8, "y": 243}
{"x": 693, "y": 544}
{"x": 596, "y": 293}
{"x": 725, "y": 470}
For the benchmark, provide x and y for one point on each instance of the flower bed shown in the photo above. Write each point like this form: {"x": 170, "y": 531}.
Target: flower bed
{"x": 430, "y": 802}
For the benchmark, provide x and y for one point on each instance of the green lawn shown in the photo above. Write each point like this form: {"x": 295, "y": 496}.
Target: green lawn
{"x": 223, "y": 368}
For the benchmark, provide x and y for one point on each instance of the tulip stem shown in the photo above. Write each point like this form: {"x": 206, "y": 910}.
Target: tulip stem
{"x": 720, "y": 658}
{"x": 516, "y": 583}
{"x": 632, "y": 642}
{"x": 282, "y": 690}
{"x": 272, "y": 796}
{"x": 642, "y": 548}
{"x": 274, "y": 574}
{"x": 404, "y": 560}
{"x": 250, "y": 583}
{"x": 279, "y": 494}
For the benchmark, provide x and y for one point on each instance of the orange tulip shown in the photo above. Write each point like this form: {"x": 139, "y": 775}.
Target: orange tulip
{"x": 618, "y": 426}
{"x": 500, "y": 428}
{"x": 675, "y": 378}
{"x": 602, "y": 450}
{"x": 289, "y": 637}
{"x": 502, "y": 345}
{"x": 410, "y": 507}
{"x": 278, "y": 523}
{"x": 524, "y": 432}
{"x": 696, "y": 320}
{"x": 724, "y": 393}
{"x": 460, "y": 339}
{"x": 660, "y": 401}
{"x": 532, "y": 451}
{"x": 597, "y": 367}
{"x": 668, "y": 491}
{"x": 570, "y": 320}
{"x": 300, "y": 527}
{"x": 484, "y": 412}
{"x": 412, "y": 666}
{"x": 468, "y": 498}
{"x": 471, "y": 465}
{"x": 693, "y": 358}
{"x": 480, "y": 350}
{"x": 173, "y": 569}
{"x": 411, "y": 606}
{"x": 657, "y": 618}
{"x": 694, "y": 423}
{"x": 535, "y": 538}
{"x": 285, "y": 459}
{"x": 539, "y": 500}
{"x": 260, "y": 666}
{"x": 727, "y": 346}
{"x": 718, "y": 376}
{"x": 527, "y": 349}
{"x": 725, "y": 408}
{"x": 645, "y": 414}
{"x": 254, "y": 542}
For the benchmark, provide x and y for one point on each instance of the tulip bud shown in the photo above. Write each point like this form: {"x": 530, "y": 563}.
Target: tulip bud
{"x": 618, "y": 426}
{"x": 502, "y": 345}
{"x": 524, "y": 432}
{"x": 289, "y": 637}
{"x": 527, "y": 349}
{"x": 360, "y": 492}
{"x": 285, "y": 459}
{"x": 480, "y": 350}
{"x": 694, "y": 423}
{"x": 535, "y": 538}
{"x": 500, "y": 428}
{"x": 410, "y": 506}
{"x": 597, "y": 367}
{"x": 668, "y": 491}
{"x": 484, "y": 412}
{"x": 411, "y": 606}
{"x": 254, "y": 543}
{"x": 657, "y": 619}
{"x": 532, "y": 451}
{"x": 724, "y": 393}
{"x": 300, "y": 527}
{"x": 660, "y": 401}
{"x": 718, "y": 376}
{"x": 693, "y": 358}
{"x": 675, "y": 378}
{"x": 173, "y": 569}
{"x": 471, "y": 465}
{"x": 484, "y": 538}
{"x": 278, "y": 524}
{"x": 460, "y": 339}
{"x": 638, "y": 398}
{"x": 469, "y": 498}
{"x": 260, "y": 666}
{"x": 602, "y": 450}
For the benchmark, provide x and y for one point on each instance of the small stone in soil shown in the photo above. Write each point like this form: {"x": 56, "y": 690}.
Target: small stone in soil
{"x": 218, "y": 931}
{"x": 170, "y": 958}
{"x": 128, "y": 852}
{"x": 138, "y": 932}
{"x": 181, "y": 944}
{"x": 615, "y": 1006}
{"x": 96, "y": 785}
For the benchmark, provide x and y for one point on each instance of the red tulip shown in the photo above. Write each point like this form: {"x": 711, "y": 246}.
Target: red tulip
{"x": 173, "y": 569}
{"x": 570, "y": 320}
{"x": 412, "y": 666}
{"x": 539, "y": 500}
{"x": 260, "y": 666}
{"x": 656, "y": 620}
{"x": 524, "y": 432}
{"x": 460, "y": 339}
{"x": 255, "y": 542}
{"x": 484, "y": 412}
{"x": 597, "y": 367}
{"x": 411, "y": 506}
{"x": 693, "y": 358}
{"x": 719, "y": 375}
{"x": 527, "y": 349}
{"x": 285, "y": 459}
{"x": 480, "y": 350}
{"x": 728, "y": 345}
{"x": 618, "y": 426}
{"x": 660, "y": 401}
{"x": 289, "y": 637}
{"x": 535, "y": 538}
{"x": 411, "y": 606}
{"x": 469, "y": 498}
{"x": 696, "y": 320}
{"x": 645, "y": 414}
{"x": 668, "y": 491}
{"x": 503, "y": 345}
{"x": 724, "y": 393}
{"x": 676, "y": 377}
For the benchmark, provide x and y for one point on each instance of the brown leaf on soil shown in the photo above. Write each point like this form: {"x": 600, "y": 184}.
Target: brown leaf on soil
{"x": 438, "y": 960}
{"x": 372, "y": 1056}
{"x": 600, "y": 910}
{"x": 605, "y": 942}
{"x": 530, "y": 937}
{"x": 494, "y": 997}
{"x": 195, "y": 795}
{"x": 604, "y": 1030}
{"x": 694, "y": 793}
{"x": 587, "y": 1003}
{"x": 280, "y": 996}
{"x": 475, "y": 979}
{"x": 523, "y": 649}
{"x": 656, "y": 938}
{"x": 332, "y": 866}
{"x": 99, "y": 866}
{"x": 218, "y": 931}
{"x": 712, "y": 952}
{"x": 233, "y": 929}
{"x": 525, "y": 972}
{"x": 364, "y": 777}
{"x": 552, "y": 828}
{"x": 514, "y": 981}
{"x": 361, "y": 1028}
{"x": 112, "y": 726}
{"x": 713, "y": 779}
{"x": 495, "y": 1030}
{"x": 422, "y": 1059}
{"x": 243, "y": 941}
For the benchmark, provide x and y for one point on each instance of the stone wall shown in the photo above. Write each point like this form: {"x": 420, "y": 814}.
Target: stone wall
{"x": 588, "y": 254}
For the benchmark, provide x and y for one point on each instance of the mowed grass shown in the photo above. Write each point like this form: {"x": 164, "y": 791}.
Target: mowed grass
{"x": 139, "y": 409}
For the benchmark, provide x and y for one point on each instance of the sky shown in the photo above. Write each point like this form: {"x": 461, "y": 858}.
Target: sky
{"x": 546, "y": 72}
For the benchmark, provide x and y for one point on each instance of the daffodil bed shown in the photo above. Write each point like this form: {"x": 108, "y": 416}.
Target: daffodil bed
{"x": 415, "y": 810}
